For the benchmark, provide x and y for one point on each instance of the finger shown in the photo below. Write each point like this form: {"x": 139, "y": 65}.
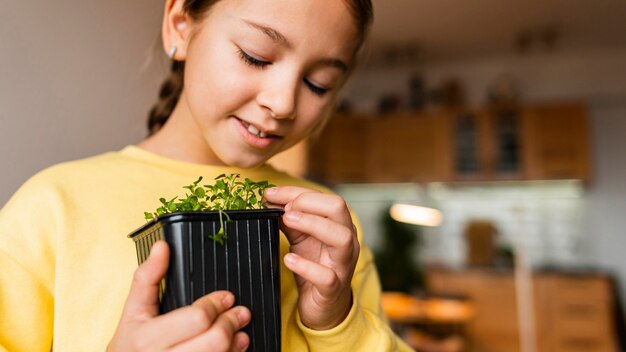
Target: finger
{"x": 284, "y": 194}
{"x": 331, "y": 206}
{"x": 221, "y": 336}
{"x": 184, "y": 323}
{"x": 241, "y": 342}
{"x": 341, "y": 239}
{"x": 327, "y": 231}
{"x": 143, "y": 298}
{"x": 322, "y": 277}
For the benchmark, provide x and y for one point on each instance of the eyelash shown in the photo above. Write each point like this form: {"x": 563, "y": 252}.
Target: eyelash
{"x": 254, "y": 62}
{"x": 315, "y": 89}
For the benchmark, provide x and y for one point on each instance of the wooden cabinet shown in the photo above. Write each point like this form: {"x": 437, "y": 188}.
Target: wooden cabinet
{"x": 574, "y": 314}
{"x": 541, "y": 142}
{"x": 571, "y": 312}
{"x": 495, "y": 324}
{"x": 396, "y": 148}
{"x": 406, "y": 147}
{"x": 339, "y": 153}
{"x": 507, "y": 143}
{"x": 556, "y": 144}
{"x": 486, "y": 145}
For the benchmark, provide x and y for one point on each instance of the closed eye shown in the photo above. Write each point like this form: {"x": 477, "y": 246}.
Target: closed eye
{"x": 254, "y": 62}
{"x": 251, "y": 60}
{"x": 315, "y": 89}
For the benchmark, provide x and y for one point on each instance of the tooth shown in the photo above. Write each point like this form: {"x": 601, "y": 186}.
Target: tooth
{"x": 253, "y": 130}
{"x": 262, "y": 134}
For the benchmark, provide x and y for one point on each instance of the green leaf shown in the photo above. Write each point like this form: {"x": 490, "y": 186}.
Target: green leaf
{"x": 227, "y": 193}
{"x": 200, "y": 193}
{"x": 238, "y": 203}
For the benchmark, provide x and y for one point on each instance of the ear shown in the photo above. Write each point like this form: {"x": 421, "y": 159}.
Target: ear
{"x": 176, "y": 29}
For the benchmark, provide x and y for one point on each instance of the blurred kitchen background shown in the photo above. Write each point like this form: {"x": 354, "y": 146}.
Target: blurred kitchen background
{"x": 509, "y": 118}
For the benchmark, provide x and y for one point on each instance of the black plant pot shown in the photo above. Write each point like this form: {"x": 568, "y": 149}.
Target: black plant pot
{"x": 247, "y": 264}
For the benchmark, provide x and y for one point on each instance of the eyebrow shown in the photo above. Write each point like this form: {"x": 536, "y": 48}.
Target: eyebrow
{"x": 335, "y": 63}
{"x": 274, "y": 35}
{"x": 280, "y": 39}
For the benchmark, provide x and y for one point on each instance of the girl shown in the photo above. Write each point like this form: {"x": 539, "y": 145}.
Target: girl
{"x": 250, "y": 79}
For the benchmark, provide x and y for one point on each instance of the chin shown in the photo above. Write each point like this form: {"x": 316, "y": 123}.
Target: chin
{"x": 246, "y": 163}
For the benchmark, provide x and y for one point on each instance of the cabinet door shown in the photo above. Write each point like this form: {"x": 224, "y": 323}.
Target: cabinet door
{"x": 505, "y": 134}
{"x": 556, "y": 142}
{"x": 495, "y": 326}
{"x": 338, "y": 153}
{"x": 469, "y": 147}
{"x": 486, "y": 145}
{"x": 407, "y": 147}
{"x": 574, "y": 313}
{"x": 400, "y": 147}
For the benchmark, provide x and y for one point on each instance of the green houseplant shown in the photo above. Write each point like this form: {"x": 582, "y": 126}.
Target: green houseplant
{"x": 221, "y": 237}
{"x": 396, "y": 257}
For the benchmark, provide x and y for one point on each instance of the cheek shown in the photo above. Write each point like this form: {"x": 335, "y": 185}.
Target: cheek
{"x": 229, "y": 75}
{"x": 311, "y": 118}
{"x": 217, "y": 89}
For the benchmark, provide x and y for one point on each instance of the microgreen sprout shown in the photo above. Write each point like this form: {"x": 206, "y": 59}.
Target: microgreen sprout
{"x": 228, "y": 192}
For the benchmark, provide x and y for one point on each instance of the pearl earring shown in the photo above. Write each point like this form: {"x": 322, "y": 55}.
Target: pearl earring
{"x": 172, "y": 52}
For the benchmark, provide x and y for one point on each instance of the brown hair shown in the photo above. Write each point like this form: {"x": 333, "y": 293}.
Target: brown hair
{"x": 173, "y": 85}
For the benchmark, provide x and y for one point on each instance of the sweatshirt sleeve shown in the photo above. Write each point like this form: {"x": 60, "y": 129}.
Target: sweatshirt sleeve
{"x": 27, "y": 270}
{"x": 365, "y": 328}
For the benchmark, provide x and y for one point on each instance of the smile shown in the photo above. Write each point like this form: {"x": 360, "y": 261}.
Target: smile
{"x": 254, "y": 136}
{"x": 256, "y": 131}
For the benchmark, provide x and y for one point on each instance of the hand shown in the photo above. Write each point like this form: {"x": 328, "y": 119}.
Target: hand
{"x": 209, "y": 323}
{"x": 324, "y": 251}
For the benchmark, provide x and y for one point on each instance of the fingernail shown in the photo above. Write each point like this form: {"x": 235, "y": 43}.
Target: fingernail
{"x": 228, "y": 300}
{"x": 243, "y": 344}
{"x": 290, "y": 258}
{"x": 156, "y": 246}
{"x": 243, "y": 315}
{"x": 270, "y": 190}
{"x": 293, "y": 215}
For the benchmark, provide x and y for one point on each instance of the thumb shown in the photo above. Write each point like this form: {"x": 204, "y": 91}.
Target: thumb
{"x": 143, "y": 298}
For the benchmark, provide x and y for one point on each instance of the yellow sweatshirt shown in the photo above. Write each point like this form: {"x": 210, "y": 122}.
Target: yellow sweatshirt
{"x": 66, "y": 263}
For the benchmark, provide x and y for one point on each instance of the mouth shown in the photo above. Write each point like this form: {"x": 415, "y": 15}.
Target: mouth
{"x": 255, "y": 136}
{"x": 257, "y": 131}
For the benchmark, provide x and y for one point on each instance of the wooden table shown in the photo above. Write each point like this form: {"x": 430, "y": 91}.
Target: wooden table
{"x": 428, "y": 324}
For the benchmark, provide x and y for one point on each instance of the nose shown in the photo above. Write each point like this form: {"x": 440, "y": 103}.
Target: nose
{"x": 279, "y": 97}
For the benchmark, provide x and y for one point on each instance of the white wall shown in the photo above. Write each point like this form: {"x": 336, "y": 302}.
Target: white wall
{"x": 597, "y": 77}
{"x": 607, "y": 195}
{"x": 71, "y": 80}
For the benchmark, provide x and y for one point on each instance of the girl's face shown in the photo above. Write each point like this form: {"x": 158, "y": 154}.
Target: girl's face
{"x": 260, "y": 75}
